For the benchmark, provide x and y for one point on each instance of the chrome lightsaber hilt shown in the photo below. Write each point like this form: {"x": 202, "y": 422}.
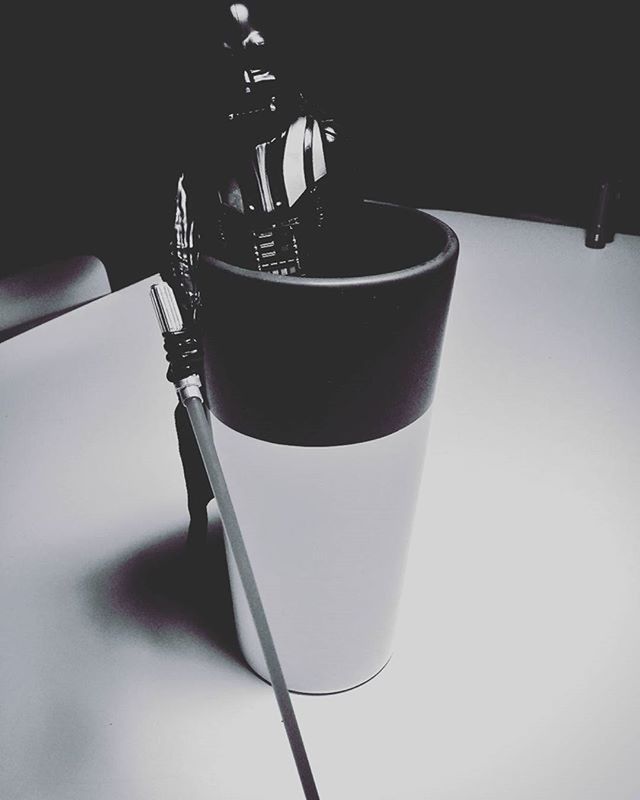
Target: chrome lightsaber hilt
{"x": 179, "y": 346}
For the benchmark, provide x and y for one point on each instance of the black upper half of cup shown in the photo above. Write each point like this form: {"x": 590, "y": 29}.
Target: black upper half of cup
{"x": 331, "y": 361}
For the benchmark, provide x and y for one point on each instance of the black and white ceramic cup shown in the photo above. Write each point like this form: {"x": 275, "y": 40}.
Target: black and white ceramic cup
{"x": 320, "y": 391}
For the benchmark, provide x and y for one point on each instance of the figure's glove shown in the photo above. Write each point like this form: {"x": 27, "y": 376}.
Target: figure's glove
{"x": 183, "y": 257}
{"x": 183, "y": 349}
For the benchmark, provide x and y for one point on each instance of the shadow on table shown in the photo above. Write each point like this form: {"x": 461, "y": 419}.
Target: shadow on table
{"x": 167, "y": 591}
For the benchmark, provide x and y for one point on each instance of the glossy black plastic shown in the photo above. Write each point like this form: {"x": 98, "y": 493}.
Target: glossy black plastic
{"x": 328, "y": 361}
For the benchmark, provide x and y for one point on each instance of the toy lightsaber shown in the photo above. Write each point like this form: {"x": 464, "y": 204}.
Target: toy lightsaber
{"x": 188, "y": 389}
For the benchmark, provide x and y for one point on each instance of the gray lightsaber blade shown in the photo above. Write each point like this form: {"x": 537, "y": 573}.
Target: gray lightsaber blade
{"x": 188, "y": 390}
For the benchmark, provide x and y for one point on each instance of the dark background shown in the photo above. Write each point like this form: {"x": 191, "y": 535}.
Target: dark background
{"x": 516, "y": 115}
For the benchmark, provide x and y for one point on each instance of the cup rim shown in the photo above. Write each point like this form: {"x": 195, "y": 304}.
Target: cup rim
{"x": 448, "y": 252}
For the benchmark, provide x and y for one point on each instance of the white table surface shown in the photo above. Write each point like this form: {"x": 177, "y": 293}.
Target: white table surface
{"x": 516, "y": 673}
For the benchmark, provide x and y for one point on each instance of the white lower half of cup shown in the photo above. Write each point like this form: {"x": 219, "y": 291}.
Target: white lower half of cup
{"x": 327, "y": 530}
